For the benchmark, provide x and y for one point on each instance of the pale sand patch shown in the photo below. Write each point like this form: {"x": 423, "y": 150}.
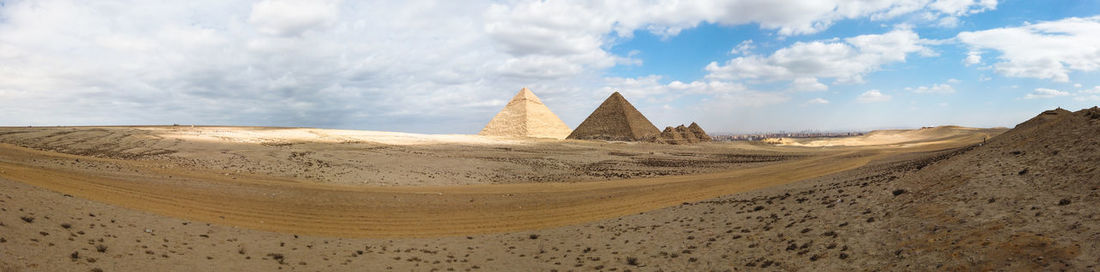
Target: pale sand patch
{"x": 900, "y": 137}
{"x": 292, "y": 135}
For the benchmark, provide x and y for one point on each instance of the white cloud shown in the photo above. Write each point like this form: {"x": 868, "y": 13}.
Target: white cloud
{"x": 946, "y": 13}
{"x": 1088, "y": 94}
{"x": 817, "y": 101}
{"x": 1046, "y": 50}
{"x": 292, "y": 17}
{"x": 963, "y": 7}
{"x": 972, "y": 58}
{"x": 846, "y": 61}
{"x": 742, "y": 48}
{"x": 872, "y": 96}
{"x": 418, "y": 65}
{"x": 948, "y": 22}
{"x": 650, "y": 87}
{"x": 1045, "y": 93}
{"x": 934, "y": 89}
{"x": 808, "y": 84}
{"x": 1094, "y": 90}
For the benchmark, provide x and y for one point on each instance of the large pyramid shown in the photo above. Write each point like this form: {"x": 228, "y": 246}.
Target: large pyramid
{"x": 616, "y": 120}
{"x": 526, "y": 116}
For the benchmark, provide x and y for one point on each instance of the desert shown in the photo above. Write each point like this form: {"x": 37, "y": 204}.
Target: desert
{"x": 564, "y": 135}
{"x": 73, "y": 201}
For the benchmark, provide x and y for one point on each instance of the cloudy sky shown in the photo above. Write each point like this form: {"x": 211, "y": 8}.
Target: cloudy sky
{"x": 449, "y": 66}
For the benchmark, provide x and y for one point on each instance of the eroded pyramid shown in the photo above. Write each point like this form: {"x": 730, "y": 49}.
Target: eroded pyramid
{"x": 526, "y": 116}
{"x": 687, "y": 135}
{"x": 683, "y": 135}
{"x": 699, "y": 133}
{"x": 615, "y": 120}
{"x": 669, "y": 136}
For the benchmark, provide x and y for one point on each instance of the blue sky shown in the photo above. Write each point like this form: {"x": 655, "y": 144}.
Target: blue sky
{"x": 443, "y": 67}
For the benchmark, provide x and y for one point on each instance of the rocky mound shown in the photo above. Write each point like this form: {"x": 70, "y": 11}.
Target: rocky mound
{"x": 1025, "y": 200}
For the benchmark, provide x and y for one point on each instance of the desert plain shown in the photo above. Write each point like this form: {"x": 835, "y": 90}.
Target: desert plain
{"x": 183, "y": 198}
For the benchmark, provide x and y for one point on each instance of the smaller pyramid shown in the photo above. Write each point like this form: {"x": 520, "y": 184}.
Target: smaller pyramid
{"x": 615, "y": 120}
{"x": 699, "y": 133}
{"x": 670, "y": 136}
{"x": 526, "y": 116}
{"x": 686, "y": 135}
{"x": 683, "y": 135}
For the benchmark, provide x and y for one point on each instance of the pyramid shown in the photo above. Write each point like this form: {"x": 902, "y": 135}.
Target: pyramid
{"x": 615, "y": 120}
{"x": 670, "y": 136}
{"x": 699, "y": 133}
{"x": 687, "y": 135}
{"x": 682, "y": 135}
{"x": 526, "y": 116}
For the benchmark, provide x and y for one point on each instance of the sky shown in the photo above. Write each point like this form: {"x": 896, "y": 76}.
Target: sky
{"x": 738, "y": 66}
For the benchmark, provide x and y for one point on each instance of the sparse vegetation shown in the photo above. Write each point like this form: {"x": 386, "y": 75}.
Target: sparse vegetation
{"x": 276, "y": 256}
{"x": 632, "y": 261}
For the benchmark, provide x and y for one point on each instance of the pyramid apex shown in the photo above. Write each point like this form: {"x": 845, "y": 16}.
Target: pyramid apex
{"x": 526, "y": 94}
{"x": 616, "y": 96}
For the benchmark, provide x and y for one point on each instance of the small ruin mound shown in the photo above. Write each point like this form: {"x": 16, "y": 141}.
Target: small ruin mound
{"x": 683, "y": 135}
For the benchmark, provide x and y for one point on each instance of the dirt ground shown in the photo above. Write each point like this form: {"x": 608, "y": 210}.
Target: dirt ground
{"x": 102, "y": 205}
{"x": 390, "y": 159}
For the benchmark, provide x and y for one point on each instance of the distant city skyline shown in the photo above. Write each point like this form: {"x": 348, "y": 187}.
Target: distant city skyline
{"x": 735, "y": 67}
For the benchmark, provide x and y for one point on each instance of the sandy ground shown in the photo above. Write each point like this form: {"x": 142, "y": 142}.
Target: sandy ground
{"x": 821, "y": 208}
{"x": 317, "y": 207}
{"x": 390, "y": 159}
{"x": 894, "y": 137}
{"x": 723, "y": 233}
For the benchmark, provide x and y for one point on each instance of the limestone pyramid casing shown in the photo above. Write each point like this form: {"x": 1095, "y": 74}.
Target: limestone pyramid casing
{"x": 615, "y": 120}
{"x": 526, "y": 116}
